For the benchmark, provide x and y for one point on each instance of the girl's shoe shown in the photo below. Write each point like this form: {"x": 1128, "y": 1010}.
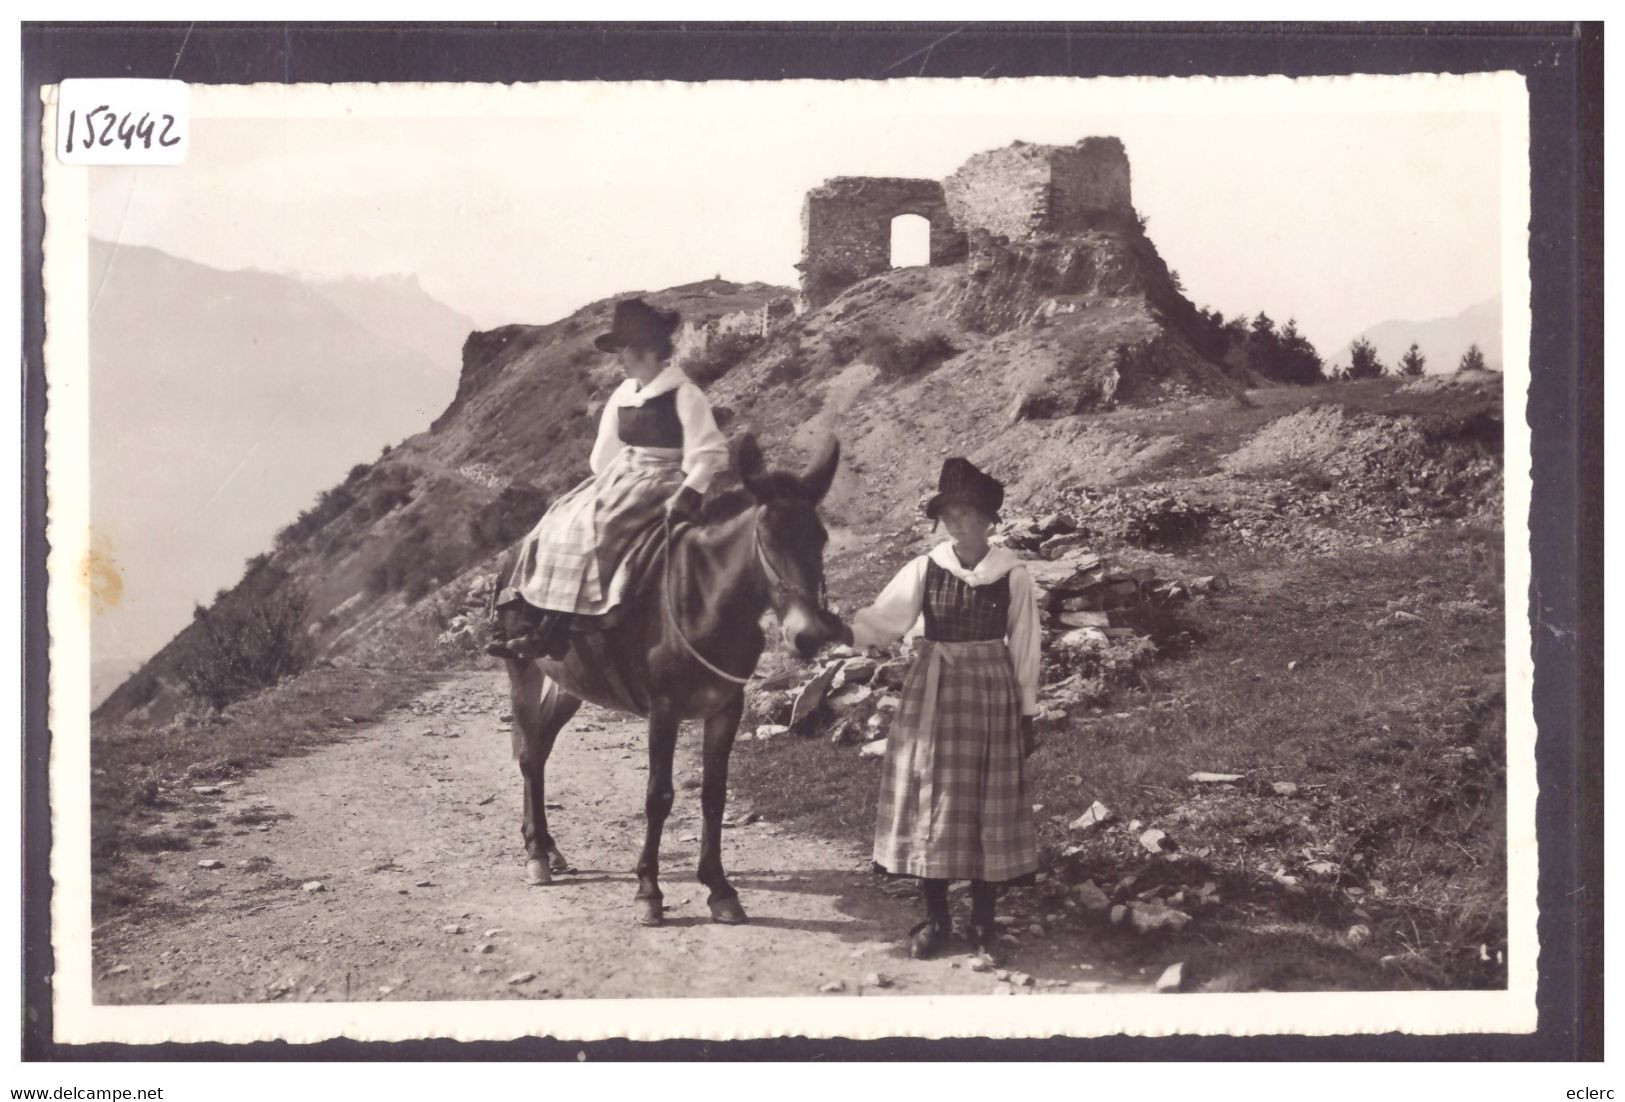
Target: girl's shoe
{"x": 984, "y": 941}
{"x": 928, "y": 938}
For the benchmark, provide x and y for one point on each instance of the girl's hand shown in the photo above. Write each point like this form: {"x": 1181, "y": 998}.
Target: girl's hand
{"x": 838, "y": 628}
{"x": 1029, "y": 736}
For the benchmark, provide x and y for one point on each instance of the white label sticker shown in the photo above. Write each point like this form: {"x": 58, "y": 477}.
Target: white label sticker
{"x": 122, "y": 122}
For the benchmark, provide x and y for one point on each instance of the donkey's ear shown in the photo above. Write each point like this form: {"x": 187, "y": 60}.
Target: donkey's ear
{"x": 817, "y": 480}
{"x": 748, "y": 459}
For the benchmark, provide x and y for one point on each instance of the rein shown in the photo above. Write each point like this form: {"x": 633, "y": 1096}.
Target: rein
{"x": 774, "y": 579}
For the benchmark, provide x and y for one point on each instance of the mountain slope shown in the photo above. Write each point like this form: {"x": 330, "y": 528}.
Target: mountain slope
{"x": 223, "y": 401}
{"x": 999, "y": 357}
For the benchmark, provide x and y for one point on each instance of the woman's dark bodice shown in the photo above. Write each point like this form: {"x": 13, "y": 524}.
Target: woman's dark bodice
{"x": 654, "y": 424}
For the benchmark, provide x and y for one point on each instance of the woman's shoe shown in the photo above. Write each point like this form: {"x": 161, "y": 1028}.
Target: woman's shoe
{"x": 928, "y": 938}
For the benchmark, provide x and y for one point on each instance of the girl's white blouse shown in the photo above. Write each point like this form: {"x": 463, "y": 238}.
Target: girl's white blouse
{"x": 897, "y": 610}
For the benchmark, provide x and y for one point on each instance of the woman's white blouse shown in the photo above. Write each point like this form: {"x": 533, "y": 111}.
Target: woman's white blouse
{"x": 898, "y": 608}
{"x": 705, "y": 450}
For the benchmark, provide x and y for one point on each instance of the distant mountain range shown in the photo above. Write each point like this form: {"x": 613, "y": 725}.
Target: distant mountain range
{"x": 222, "y": 402}
{"x": 1441, "y": 340}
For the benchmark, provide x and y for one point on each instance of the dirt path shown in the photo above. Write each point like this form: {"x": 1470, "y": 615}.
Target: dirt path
{"x": 412, "y": 830}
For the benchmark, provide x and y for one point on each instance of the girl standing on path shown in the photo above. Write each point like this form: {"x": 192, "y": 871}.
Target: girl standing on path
{"x": 658, "y": 448}
{"x": 954, "y": 803}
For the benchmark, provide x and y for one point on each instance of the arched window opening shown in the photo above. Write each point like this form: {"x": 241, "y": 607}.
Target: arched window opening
{"x": 910, "y": 241}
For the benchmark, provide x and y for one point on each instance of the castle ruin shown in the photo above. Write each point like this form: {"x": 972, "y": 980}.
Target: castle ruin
{"x": 1014, "y": 193}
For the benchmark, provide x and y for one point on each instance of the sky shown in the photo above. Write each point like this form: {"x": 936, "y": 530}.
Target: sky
{"x": 1341, "y": 203}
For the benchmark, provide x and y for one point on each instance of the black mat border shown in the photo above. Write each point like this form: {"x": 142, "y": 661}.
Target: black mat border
{"x": 1563, "y": 66}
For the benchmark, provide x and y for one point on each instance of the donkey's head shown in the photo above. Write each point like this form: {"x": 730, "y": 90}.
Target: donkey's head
{"x": 792, "y": 541}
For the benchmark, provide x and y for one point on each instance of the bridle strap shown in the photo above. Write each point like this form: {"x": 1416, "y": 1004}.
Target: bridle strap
{"x": 671, "y": 607}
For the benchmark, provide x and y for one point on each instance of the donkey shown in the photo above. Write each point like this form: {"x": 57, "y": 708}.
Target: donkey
{"x": 682, "y": 648}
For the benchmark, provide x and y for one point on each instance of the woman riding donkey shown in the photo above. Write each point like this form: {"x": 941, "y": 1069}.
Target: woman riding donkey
{"x": 954, "y": 801}
{"x": 658, "y": 448}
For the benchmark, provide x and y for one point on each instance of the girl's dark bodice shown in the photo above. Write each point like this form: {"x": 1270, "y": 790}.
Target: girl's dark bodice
{"x": 654, "y": 424}
{"x": 956, "y": 612}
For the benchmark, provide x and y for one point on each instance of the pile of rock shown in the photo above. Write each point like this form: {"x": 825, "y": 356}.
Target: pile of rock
{"x": 465, "y": 613}
{"x": 851, "y": 700}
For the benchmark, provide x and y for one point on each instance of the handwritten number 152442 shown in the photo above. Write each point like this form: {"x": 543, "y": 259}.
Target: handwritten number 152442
{"x": 119, "y": 129}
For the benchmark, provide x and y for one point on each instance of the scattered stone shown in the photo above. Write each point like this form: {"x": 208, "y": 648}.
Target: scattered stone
{"x": 1119, "y": 914}
{"x": 485, "y": 947}
{"x": 118, "y": 969}
{"x": 979, "y": 964}
{"x": 1091, "y": 898}
{"x": 1214, "y": 778}
{"x": 832, "y": 987}
{"x": 1155, "y": 841}
{"x": 770, "y": 731}
{"x": 207, "y": 789}
{"x": 857, "y": 671}
{"x": 846, "y": 700}
{"x": 385, "y": 989}
{"x": 811, "y": 695}
{"x": 1172, "y": 979}
{"x": 424, "y": 884}
{"x": 1284, "y": 788}
{"x": 1153, "y": 916}
{"x": 1053, "y": 524}
{"x": 875, "y": 979}
{"x": 520, "y": 977}
{"x": 313, "y": 886}
{"x": 495, "y": 931}
{"x": 1095, "y": 620}
{"x": 1212, "y": 583}
{"x": 452, "y": 928}
{"x": 1358, "y": 934}
{"x": 1036, "y": 930}
{"x": 1019, "y": 979}
{"x": 876, "y": 749}
{"x": 1097, "y": 815}
{"x": 210, "y": 863}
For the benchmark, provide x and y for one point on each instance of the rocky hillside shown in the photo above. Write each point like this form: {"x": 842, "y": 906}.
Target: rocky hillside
{"x": 1062, "y": 363}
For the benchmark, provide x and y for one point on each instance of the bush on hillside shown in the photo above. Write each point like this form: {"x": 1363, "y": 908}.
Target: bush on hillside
{"x": 504, "y": 520}
{"x": 904, "y": 358}
{"x": 722, "y": 354}
{"x": 244, "y": 647}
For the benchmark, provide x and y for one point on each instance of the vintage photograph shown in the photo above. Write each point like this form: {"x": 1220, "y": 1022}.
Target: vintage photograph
{"x": 1035, "y": 552}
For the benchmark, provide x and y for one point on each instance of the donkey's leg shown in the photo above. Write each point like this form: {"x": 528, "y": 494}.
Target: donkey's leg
{"x": 540, "y": 711}
{"x": 719, "y": 740}
{"x": 656, "y": 806}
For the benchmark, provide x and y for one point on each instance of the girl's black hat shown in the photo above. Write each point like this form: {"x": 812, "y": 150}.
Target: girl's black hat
{"x": 960, "y": 482}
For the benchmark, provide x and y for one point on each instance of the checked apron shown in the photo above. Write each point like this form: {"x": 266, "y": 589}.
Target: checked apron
{"x": 953, "y": 794}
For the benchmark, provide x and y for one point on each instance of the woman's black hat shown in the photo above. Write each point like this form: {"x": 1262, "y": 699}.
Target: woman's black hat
{"x": 638, "y": 325}
{"x": 960, "y": 482}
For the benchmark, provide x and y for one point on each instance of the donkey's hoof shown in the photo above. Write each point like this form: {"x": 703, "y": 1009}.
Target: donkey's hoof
{"x": 557, "y": 862}
{"x": 728, "y": 911}
{"x": 651, "y": 912}
{"x": 537, "y": 873}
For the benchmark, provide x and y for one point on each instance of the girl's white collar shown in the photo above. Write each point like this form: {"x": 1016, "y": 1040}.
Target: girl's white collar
{"x": 994, "y": 565}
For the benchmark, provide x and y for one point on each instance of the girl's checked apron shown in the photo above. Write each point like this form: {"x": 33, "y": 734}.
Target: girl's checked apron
{"x": 953, "y": 790}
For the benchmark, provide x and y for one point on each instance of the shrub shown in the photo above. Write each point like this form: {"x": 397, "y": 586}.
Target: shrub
{"x": 898, "y": 358}
{"x": 500, "y": 522}
{"x": 722, "y": 354}
{"x": 247, "y": 646}
{"x": 1164, "y": 522}
{"x": 844, "y": 347}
